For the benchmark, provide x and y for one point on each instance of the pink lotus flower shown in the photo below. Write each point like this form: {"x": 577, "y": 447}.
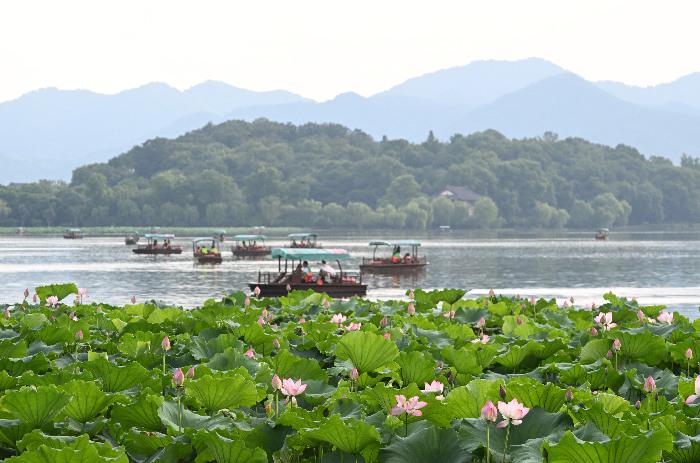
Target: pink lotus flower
{"x": 411, "y": 406}
{"x": 165, "y": 344}
{"x": 326, "y": 304}
{"x": 354, "y": 326}
{"x": 513, "y": 412}
{"x": 338, "y": 319}
{"x": 637, "y": 405}
{"x": 435, "y": 386}
{"x": 489, "y": 412}
{"x": 492, "y": 293}
{"x": 384, "y": 322}
{"x": 481, "y": 323}
{"x": 250, "y": 353}
{"x": 640, "y": 316}
{"x": 450, "y": 314}
{"x": 261, "y": 321}
{"x": 246, "y": 302}
{"x": 190, "y": 372}
{"x": 617, "y": 344}
{"x": 411, "y": 308}
{"x": 302, "y": 320}
{"x": 26, "y": 293}
{"x": 609, "y": 355}
{"x": 82, "y": 292}
{"x": 689, "y": 354}
{"x": 292, "y": 388}
{"x": 649, "y": 384}
{"x": 73, "y": 316}
{"x": 354, "y": 374}
{"x": 665, "y": 317}
{"x": 533, "y": 301}
{"x": 387, "y": 335}
{"x": 289, "y": 287}
{"x": 484, "y": 339}
{"x": 178, "y": 377}
{"x": 79, "y": 335}
{"x": 594, "y": 332}
{"x": 35, "y": 298}
{"x": 692, "y": 398}
{"x": 264, "y": 313}
{"x": 569, "y": 395}
{"x": 276, "y": 383}
{"x": 52, "y": 300}
{"x": 133, "y": 299}
{"x": 7, "y": 312}
{"x": 256, "y": 291}
{"x": 604, "y": 319}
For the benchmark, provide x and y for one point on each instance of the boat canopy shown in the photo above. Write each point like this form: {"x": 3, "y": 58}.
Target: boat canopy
{"x": 395, "y": 243}
{"x": 159, "y": 236}
{"x": 205, "y": 239}
{"x": 76, "y": 230}
{"x": 220, "y": 232}
{"x": 301, "y": 236}
{"x": 249, "y": 237}
{"x": 310, "y": 254}
{"x": 603, "y": 230}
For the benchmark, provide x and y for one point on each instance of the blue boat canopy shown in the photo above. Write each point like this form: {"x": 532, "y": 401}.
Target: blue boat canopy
{"x": 205, "y": 239}
{"x": 310, "y": 254}
{"x": 395, "y": 243}
{"x": 249, "y": 237}
{"x": 301, "y": 236}
{"x": 159, "y": 236}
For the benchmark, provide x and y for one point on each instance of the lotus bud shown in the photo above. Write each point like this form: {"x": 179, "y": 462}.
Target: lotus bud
{"x": 593, "y": 306}
{"x": 326, "y": 304}
{"x": 52, "y": 300}
{"x": 294, "y": 401}
{"x": 165, "y": 343}
{"x": 276, "y": 343}
{"x": 387, "y": 335}
{"x": 492, "y": 293}
{"x": 571, "y": 299}
{"x": 289, "y": 287}
{"x": 190, "y": 372}
{"x": 640, "y": 316}
{"x": 35, "y": 298}
{"x": 256, "y": 291}
{"x": 518, "y": 321}
{"x": 26, "y": 293}
{"x": 8, "y": 314}
{"x": 617, "y": 344}
{"x": 481, "y": 323}
{"x": 609, "y": 355}
{"x": 250, "y": 353}
{"x": 261, "y": 321}
{"x": 79, "y": 335}
{"x": 489, "y": 412}
{"x": 133, "y": 299}
{"x": 264, "y": 313}
{"x": 411, "y": 308}
{"x": 247, "y": 301}
{"x": 276, "y": 383}
{"x": 354, "y": 374}
{"x": 649, "y": 384}
{"x": 502, "y": 392}
{"x": 569, "y": 395}
{"x": 594, "y": 332}
{"x": 533, "y": 301}
{"x": 637, "y": 405}
{"x": 302, "y": 320}
{"x": 384, "y": 322}
{"x": 178, "y": 377}
{"x": 689, "y": 354}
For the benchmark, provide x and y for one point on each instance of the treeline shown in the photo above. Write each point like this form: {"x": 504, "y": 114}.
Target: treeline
{"x": 325, "y": 175}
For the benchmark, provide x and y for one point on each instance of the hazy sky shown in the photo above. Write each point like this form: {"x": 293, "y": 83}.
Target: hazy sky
{"x": 322, "y": 48}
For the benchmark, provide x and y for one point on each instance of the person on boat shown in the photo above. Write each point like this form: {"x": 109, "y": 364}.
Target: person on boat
{"x": 294, "y": 243}
{"x": 306, "y": 273}
{"x": 407, "y": 259}
{"x": 396, "y": 255}
{"x": 155, "y": 244}
{"x": 326, "y": 271}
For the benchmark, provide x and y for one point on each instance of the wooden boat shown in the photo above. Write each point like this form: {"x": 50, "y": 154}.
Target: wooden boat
{"x": 21, "y": 231}
{"x": 207, "y": 250}
{"x": 304, "y": 240}
{"x": 395, "y": 263}
{"x": 73, "y": 234}
{"x": 248, "y": 246}
{"x": 157, "y": 244}
{"x": 131, "y": 239}
{"x": 290, "y": 277}
{"x": 602, "y": 234}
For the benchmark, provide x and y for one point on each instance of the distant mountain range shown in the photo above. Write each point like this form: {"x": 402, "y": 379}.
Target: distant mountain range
{"x": 47, "y": 133}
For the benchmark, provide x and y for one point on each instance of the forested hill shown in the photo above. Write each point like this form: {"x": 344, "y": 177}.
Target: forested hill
{"x": 267, "y": 173}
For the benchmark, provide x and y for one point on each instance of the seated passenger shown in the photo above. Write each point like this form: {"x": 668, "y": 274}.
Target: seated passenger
{"x": 407, "y": 259}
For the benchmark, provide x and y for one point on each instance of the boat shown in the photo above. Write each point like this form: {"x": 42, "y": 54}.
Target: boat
{"x": 158, "y": 243}
{"x": 304, "y": 240}
{"x": 393, "y": 264}
{"x": 220, "y": 235}
{"x": 21, "y": 231}
{"x": 289, "y": 277}
{"x": 602, "y": 234}
{"x": 247, "y": 246}
{"x": 73, "y": 234}
{"x": 131, "y": 238}
{"x": 207, "y": 250}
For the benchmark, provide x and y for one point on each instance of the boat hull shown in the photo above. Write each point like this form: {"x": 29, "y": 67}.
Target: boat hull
{"x": 250, "y": 253}
{"x": 159, "y": 251}
{"x": 392, "y": 268}
{"x": 130, "y": 241}
{"x": 333, "y": 290}
{"x": 209, "y": 258}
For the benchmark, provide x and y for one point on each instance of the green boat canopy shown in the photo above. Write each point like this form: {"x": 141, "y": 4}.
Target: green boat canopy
{"x": 249, "y": 237}
{"x": 301, "y": 236}
{"x": 310, "y": 254}
{"x": 395, "y": 243}
{"x": 159, "y": 236}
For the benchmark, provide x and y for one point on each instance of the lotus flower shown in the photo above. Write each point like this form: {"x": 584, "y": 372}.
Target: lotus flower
{"x": 609, "y": 355}
{"x": 689, "y": 354}
{"x": 52, "y": 300}
{"x": 190, "y": 372}
{"x": 133, "y": 299}
{"x": 435, "y": 386}
{"x": 256, "y": 291}
{"x": 411, "y": 308}
{"x": 326, "y": 304}
{"x": 354, "y": 374}
{"x": 513, "y": 412}
{"x": 665, "y": 317}
{"x": 289, "y": 287}
{"x": 261, "y": 320}
{"x": 26, "y": 293}
{"x": 7, "y": 312}
{"x": 616, "y": 344}
{"x": 338, "y": 318}
{"x": 302, "y": 320}
{"x": 481, "y": 323}
{"x": 165, "y": 343}
{"x": 649, "y": 384}
{"x": 292, "y": 388}
{"x": 638, "y": 404}
{"x": 264, "y": 313}
{"x": 387, "y": 335}
{"x": 640, "y": 316}
{"x": 604, "y": 319}
{"x": 533, "y": 301}
{"x": 276, "y": 383}
{"x": 246, "y": 302}
{"x": 384, "y": 322}
{"x": 692, "y": 398}
{"x": 250, "y": 353}
{"x": 82, "y": 292}
{"x": 354, "y": 326}
{"x": 492, "y": 293}
{"x": 73, "y": 316}
{"x": 484, "y": 339}
{"x": 449, "y": 314}
{"x": 411, "y": 406}
{"x": 489, "y": 412}
{"x": 178, "y": 377}
{"x": 79, "y": 335}
{"x": 594, "y": 332}
{"x": 35, "y": 298}
{"x": 569, "y": 395}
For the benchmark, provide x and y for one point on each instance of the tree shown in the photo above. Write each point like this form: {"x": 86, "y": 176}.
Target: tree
{"x": 485, "y": 213}
{"x": 608, "y": 210}
{"x": 5, "y": 210}
{"x": 443, "y": 210}
{"x": 581, "y": 214}
{"x": 402, "y": 190}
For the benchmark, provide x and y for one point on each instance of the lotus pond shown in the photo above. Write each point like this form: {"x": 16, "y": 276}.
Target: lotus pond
{"x": 303, "y": 378}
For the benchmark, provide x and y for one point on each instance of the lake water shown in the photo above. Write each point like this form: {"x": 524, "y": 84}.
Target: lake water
{"x": 656, "y": 268}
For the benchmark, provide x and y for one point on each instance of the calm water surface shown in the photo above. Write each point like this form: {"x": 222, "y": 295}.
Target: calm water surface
{"x": 656, "y": 268}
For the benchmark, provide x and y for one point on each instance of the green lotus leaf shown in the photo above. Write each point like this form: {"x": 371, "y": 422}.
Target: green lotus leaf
{"x": 33, "y": 321}
{"x": 435, "y": 338}
{"x": 426, "y": 444}
{"x": 168, "y": 413}
{"x": 11, "y": 431}
{"x": 416, "y": 367}
{"x": 254, "y": 335}
{"x": 35, "y": 406}
{"x": 222, "y": 393}
{"x": 225, "y": 450}
{"x": 464, "y": 360}
{"x": 532, "y": 393}
{"x": 498, "y": 308}
{"x": 37, "y": 363}
{"x": 645, "y": 448}
{"x": 517, "y": 355}
{"x": 595, "y": 349}
{"x": 230, "y": 359}
{"x": 366, "y": 351}
{"x": 51, "y": 449}
{"x": 141, "y": 446}
{"x": 287, "y": 365}
{"x": 11, "y": 349}
{"x": 115, "y": 378}
{"x": 88, "y": 400}
{"x": 61, "y": 291}
{"x": 644, "y": 347}
{"x": 349, "y": 435}
{"x": 426, "y": 300}
{"x": 203, "y": 348}
{"x": 141, "y": 414}
{"x": 7, "y": 381}
{"x": 168, "y": 314}
{"x": 467, "y": 401}
{"x": 686, "y": 449}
